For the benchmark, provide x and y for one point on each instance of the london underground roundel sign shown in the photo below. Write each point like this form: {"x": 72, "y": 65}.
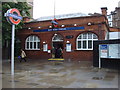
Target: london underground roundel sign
{"x": 13, "y": 16}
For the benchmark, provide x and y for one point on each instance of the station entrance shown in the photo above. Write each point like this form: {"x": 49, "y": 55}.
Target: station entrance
{"x": 57, "y": 43}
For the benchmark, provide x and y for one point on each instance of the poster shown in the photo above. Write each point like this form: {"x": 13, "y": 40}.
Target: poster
{"x": 45, "y": 47}
{"x": 114, "y": 50}
{"x": 103, "y": 51}
{"x": 68, "y": 47}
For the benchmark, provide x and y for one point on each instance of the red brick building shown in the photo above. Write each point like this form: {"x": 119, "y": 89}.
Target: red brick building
{"x": 74, "y": 35}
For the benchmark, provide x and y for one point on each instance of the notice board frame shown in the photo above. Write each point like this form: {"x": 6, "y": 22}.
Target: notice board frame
{"x": 105, "y": 62}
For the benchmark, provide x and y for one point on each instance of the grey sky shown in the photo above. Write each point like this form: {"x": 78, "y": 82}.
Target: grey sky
{"x": 46, "y": 7}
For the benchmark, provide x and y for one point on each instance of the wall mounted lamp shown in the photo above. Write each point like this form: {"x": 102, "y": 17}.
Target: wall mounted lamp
{"x": 75, "y": 25}
{"x": 39, "y": 27}
{"x": 29, "y": 28}
{"x": 55, "y": 34}
{"x": 62, "y": 25}
{"x": 44, "y": 42}
{"x": 50, "y": 26}
{"x": 68, "y": 42}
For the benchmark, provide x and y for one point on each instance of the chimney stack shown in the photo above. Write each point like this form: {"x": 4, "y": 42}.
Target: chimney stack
{"x": 26, "y": 19}
{"x": 104, "y": 11}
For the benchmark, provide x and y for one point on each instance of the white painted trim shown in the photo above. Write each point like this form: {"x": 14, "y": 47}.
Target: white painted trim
{"x": 92, "y": 39}
{"x": 36, "y": 41}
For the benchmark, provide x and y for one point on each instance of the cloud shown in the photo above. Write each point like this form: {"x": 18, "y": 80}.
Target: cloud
{"x": 46, "y": 7}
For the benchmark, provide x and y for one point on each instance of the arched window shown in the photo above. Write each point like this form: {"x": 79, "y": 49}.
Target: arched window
{"x": 85, "y": 41}
{"x": 57, "y": 38}
{"x": 32, "y": 43}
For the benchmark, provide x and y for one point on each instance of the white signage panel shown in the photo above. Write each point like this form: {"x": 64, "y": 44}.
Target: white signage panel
{"x": 68, "y": 47}
{"x": 103, "y": 51}
{"x": 45, "y": 47}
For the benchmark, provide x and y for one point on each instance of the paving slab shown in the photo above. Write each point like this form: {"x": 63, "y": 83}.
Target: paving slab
{"x": 45, "y": 74}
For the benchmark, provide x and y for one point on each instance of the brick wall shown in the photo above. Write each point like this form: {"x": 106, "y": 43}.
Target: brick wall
{"x": 98, "y": 27}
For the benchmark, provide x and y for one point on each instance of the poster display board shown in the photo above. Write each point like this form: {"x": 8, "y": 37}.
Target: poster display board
{"x": 103, "y": 49}
{"x": 114, "y": 51}
{"x": 109, "y": 51}
{"x": 68, "y": 47}
{"x": 45, "y": 47}
{"x": 103, "y": 53}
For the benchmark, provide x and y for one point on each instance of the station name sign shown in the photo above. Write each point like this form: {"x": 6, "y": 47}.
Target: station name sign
{"x": 14, "y": 16}
{"x": 59, "y": 29}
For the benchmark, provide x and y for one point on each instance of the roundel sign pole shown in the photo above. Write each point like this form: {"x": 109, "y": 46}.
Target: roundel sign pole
{"x": 13, "y": 17}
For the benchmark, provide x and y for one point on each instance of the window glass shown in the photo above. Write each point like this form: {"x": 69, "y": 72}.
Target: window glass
{"x": 31, "y": 38}
{"x": 27, "y": 45}
{"x": 35, "y": 38}
{"x": 89, "y": 44}
{"x": 38, "y": 44}
{"x": 80, "y": 37}
{"x": 84, "y": 44}
{"x": 89, "y": 36}
{"x": 84, "y": 36}
{"x": 32, "y": 43}
{"x": 85, "y": 41}
{"x": 28, "y": 39}
{"x": 94, "y": 36}
{"x": 79, "y": 44}
{"x": 57, "y": 37}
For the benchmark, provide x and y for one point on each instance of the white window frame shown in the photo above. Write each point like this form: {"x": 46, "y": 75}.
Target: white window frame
{"x": 33, "y": 41}
{"x": 87, "y": 39}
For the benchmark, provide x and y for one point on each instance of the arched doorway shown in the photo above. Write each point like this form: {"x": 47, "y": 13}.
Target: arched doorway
{"x": 57, "y": 42}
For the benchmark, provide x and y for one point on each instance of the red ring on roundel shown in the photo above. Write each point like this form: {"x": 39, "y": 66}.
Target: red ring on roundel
{"x": 11, "y": 18}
